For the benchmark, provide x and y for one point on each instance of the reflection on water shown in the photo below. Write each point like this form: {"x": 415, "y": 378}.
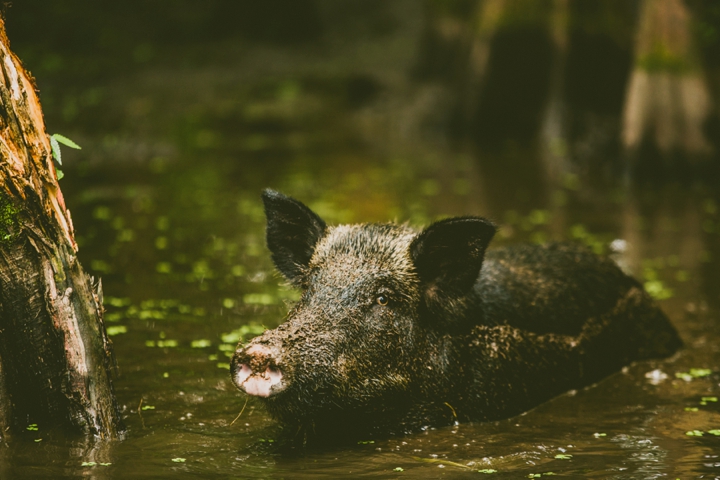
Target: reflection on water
{"x": 366, "y": 112}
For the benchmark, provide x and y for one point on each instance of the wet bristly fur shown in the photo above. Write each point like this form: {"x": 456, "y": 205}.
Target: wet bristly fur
{"x": 465, "y": 334}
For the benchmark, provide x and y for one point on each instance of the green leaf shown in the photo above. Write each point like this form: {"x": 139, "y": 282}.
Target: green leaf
{"x": 487, "y": 470}
{"x": 398, "y": 469}
{"x": 59, "y": 174}
{"x": 178, "y": 460}
{"x": 55, "y": 149}
{"x": 65, "y": 141}
{"x": 563, "y": 456}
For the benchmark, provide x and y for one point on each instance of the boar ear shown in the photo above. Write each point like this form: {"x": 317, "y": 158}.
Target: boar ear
{"x": 293, "y": 230}
{"x": 448, "y": 255}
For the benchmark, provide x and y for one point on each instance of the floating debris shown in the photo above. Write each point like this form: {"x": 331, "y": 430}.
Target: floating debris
{"x": 656, "y": 376}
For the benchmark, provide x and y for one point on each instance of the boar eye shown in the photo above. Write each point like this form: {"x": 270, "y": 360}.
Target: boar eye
{"x": 382, "y": 300}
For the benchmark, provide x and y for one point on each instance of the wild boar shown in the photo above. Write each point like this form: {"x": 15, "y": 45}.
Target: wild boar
{"x": 398, "y": 329}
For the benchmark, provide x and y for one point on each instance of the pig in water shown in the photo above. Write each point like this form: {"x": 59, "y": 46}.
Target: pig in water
{"x": 398, "y": 329}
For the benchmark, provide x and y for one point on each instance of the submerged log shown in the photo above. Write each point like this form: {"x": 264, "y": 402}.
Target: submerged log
{"x": 55, "y": 357}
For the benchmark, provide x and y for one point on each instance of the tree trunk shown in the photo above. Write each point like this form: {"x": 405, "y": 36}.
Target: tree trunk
{"x": 667, "y": 98}
{"x": 553, "y": 134}
{"x": 55, "y": 357}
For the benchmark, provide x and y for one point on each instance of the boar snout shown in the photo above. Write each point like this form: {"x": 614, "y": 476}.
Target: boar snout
{"x": 255, "y": 371}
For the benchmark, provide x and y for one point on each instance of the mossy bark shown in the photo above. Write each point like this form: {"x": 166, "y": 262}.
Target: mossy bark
{"x": 55, "y": 357}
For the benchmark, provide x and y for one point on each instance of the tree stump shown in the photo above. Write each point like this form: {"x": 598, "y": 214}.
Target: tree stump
{"x": 55, "y": 357}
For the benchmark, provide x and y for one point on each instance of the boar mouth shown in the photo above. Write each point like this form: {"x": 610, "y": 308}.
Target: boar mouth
{"x": 255, "y": 372}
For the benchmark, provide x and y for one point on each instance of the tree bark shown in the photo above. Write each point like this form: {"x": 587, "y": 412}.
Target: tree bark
{"x": 55, "y": 357}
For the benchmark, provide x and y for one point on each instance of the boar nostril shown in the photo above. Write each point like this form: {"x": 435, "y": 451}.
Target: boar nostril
{"x": 274, "y": 374}
{"x": 242, "y": 374}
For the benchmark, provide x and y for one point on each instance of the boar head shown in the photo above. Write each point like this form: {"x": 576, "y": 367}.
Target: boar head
{"x": 373, "y": 332}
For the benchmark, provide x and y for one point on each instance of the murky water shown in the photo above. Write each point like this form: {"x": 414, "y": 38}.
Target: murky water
{"x": 178, "y": 141}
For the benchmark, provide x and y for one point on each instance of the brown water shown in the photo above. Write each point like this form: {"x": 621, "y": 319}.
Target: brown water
{"x": 178, "y": 140}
